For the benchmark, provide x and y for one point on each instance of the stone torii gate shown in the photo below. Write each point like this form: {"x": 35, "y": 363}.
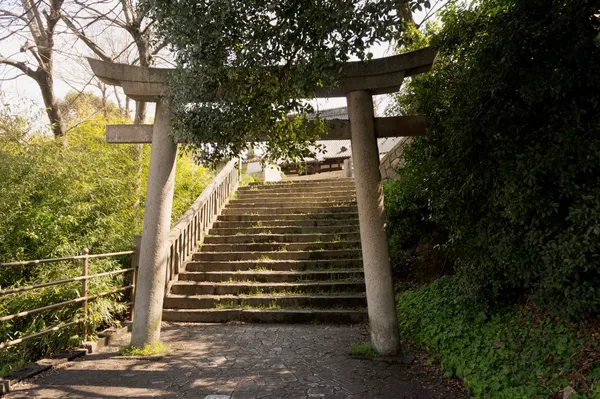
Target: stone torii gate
{"x": 359, "y": 82}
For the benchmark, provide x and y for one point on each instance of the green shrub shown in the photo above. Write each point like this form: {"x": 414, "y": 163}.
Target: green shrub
{"x": 55, "y": 201}
{"x": 514, "y": 353}
{"x": 511, "y": 166}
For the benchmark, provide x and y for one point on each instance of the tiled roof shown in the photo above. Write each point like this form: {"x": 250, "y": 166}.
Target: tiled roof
{"x": 343, "y": 148}
{"x": 332, "y": 113}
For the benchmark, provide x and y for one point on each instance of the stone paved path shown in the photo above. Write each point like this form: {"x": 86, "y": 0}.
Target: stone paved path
{"x": 242, "y": 361}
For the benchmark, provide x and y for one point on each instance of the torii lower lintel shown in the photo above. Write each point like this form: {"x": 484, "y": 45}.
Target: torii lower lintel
{"x": 339, "y": 129}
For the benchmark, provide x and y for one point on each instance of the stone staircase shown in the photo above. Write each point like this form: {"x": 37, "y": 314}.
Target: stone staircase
{"x": 279, "y": 252}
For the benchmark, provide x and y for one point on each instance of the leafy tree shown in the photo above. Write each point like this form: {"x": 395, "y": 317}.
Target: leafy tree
{"x": 35, "y": 24}
{"x": 511, "y": 166}
{"x": 78, "y": 107}
{"x": 243, "y": 67}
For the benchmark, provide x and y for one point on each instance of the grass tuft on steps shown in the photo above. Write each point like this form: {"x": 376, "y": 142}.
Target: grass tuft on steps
{"x": 154, "y": 349}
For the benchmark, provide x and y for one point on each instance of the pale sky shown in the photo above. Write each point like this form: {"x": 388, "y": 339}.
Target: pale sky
{"x": 70, "y": 72}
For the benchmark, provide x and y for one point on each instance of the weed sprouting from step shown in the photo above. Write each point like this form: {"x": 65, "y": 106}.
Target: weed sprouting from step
{"x": 273, "y": 306}
{"x": 231, "y": 304}
{"x": 155, "y": 349}
{"x": 362, "y": 349}
{"x": 264, "y": 258}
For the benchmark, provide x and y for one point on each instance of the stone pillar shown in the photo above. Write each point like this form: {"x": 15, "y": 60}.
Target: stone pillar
{"x": 151, "y": 277}
{"x": 369, "y": 194}
{"x": 348, "y": 167}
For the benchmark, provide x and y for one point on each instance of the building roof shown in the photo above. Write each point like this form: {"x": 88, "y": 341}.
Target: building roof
{"x": 332, "y": 113}
{"x": 343, "y": 148}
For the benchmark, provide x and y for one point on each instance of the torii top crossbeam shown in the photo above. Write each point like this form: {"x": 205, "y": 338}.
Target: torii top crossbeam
{"x": 378, "y": 76}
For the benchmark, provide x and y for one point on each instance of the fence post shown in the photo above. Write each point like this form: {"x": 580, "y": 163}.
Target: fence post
{"x": 84, "y": 290}
{"x": 135, "y": 263}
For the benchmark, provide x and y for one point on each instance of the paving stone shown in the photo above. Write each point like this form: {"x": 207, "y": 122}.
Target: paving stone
{"x": 244, "y": 395}
{"x": 230, "y": 361}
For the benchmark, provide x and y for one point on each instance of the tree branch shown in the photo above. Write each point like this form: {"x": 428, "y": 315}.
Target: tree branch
{"x": 88, "y": 42}
{"x": 14, "y": 15}
{"x": 19, "y": 65}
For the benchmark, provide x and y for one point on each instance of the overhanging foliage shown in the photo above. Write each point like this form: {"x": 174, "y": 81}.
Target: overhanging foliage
{"x": 244, "y": 66}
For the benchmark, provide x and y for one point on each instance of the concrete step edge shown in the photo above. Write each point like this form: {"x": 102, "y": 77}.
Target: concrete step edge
{"x": 277, "y": 273}
{"x": 322, "y": 283}
{"x": 337, "y": 316}
{"x": 359, "y": 295}
{"x": 350, "y": 243}
{"x": 263, "y": 187}
{"x": 342, "y": 179}
{"x": 331, "y": 195}
{"x": 327, "y": 251}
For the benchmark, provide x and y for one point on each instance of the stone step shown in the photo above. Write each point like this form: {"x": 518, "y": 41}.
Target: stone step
{"x": 286, "y": 252}
{"x": 307, "y": 210}
{"x": 278, "y": 255}
{"x": 340, "y": 228}
{"x": 256, "y": 301}
{"x": 320, "y": 201}
{"x": 349, "y": 183}
{"x": 249, "y": 288}
{"x": 288, "y": 216}
{"x": 297, "y": 182}
{"x": 334, "y": 229}
{"x": 216, "y": 266}
{"x": 288, "y": 238}
{"x": 219, "y": 224}
{"x": 290, "y": 203}
{"x": 272, "y": 276}
{"x": 255, "y": 195}
{"x": 265, "y": 316}
{"x": 279, "y": 246}
{"x": 295, "y": 190}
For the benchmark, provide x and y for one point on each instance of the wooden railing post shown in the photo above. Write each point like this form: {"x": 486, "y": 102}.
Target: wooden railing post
{"x": 84, "y": 290}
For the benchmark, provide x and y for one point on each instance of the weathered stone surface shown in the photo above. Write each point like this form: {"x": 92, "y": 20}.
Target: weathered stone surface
{"x": 393, "y": 160}
{"x": 242, "y": 361}
{"x": 371, "y": 214}
{"x": 383, "y": 75}
{"x": 155, "y": 237}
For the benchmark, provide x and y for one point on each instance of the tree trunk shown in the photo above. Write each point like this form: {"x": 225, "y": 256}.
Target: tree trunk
{"x": 406, "y": 13}
{"x": 140, "y": 112}
{"x": 46, "y": 83}
{"x": 103, "y": 90}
